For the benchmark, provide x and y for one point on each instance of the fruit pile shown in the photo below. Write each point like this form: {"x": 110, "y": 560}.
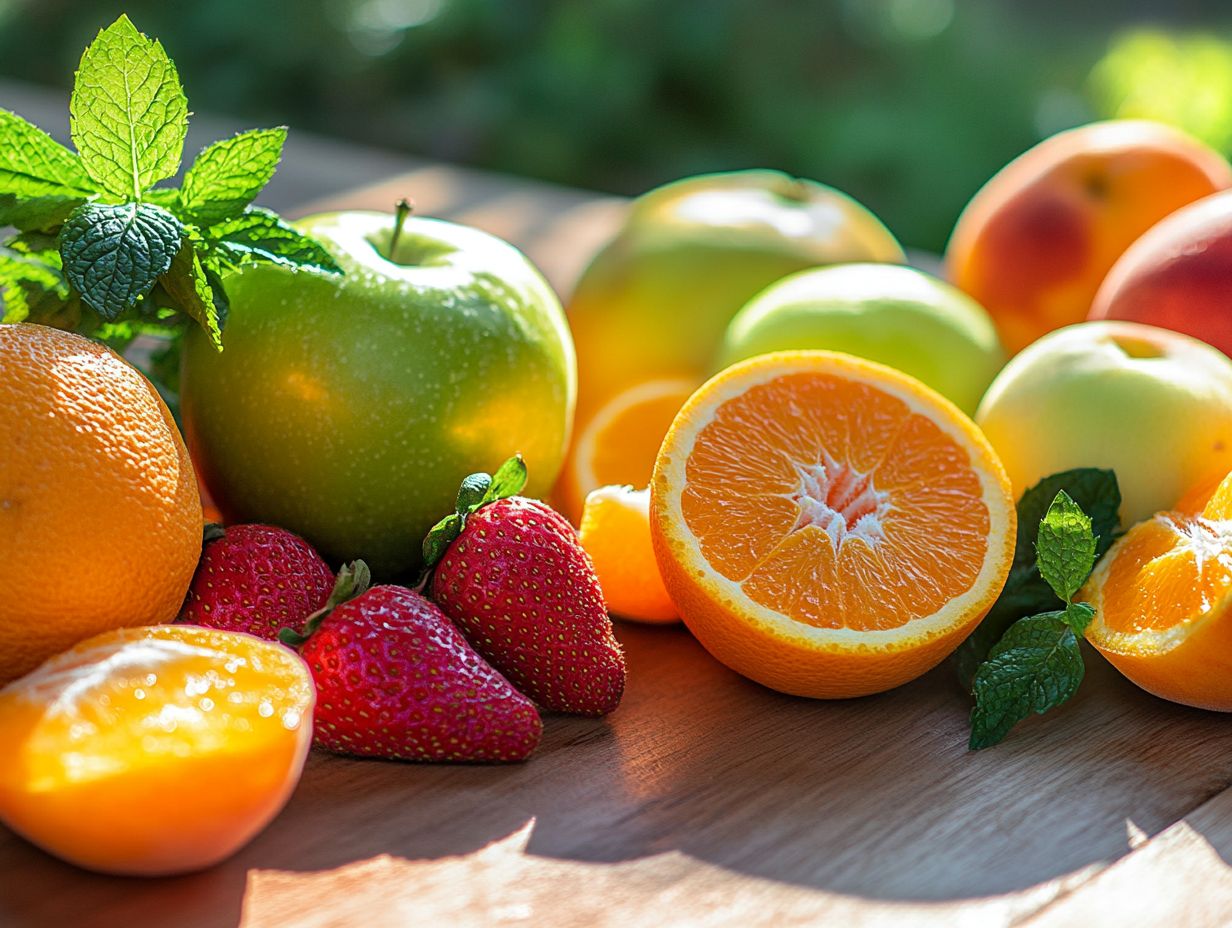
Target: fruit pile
{"x": 836, "y": 469}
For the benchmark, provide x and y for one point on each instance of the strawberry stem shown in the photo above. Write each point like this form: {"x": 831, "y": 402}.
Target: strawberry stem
{"x": 353, "y": 579}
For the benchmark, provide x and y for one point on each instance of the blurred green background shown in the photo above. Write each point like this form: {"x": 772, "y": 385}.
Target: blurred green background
{"x": 909, "y": 105}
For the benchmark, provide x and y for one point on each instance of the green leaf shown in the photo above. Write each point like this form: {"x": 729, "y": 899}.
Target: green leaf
{"x": 129, "y": 112}
{"x": 440, "y": 537}
{"x": 1078, "y": 616}
{"x": 353, "y": 580}
{"x": 193, "y": 293}
{"x": 227, "y": 175}
{"x": 1026, "y": 592}
{"x": 33, "y": 164}
{"x": 260, "y": 235}
{"x": 509, "y": 480}
{"x": 166, "y": 197}
{"x": 1035, "y": 667}
{"x": 114, "y": 253}
{"x": 471, "y": 492}
{"x": 31, "y": 289}
{"x": 1065, "y": 549}
{"x": 37, "y": 213}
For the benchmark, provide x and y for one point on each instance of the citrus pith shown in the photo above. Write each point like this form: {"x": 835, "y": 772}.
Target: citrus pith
{"x": 827, "y": 526}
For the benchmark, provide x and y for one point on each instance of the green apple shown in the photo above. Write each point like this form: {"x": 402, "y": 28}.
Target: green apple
{"x": 348, "y": 408}
{"x": 1154, "y": 406}
{"x": 883, "y": 312}
{"x": 655, "y": 301}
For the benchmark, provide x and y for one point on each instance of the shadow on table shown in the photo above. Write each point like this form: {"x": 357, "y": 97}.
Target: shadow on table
{"x": 875, "y": 798}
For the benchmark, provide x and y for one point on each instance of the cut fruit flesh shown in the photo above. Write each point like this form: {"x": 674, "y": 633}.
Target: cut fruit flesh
{"x": 833, "y": 504}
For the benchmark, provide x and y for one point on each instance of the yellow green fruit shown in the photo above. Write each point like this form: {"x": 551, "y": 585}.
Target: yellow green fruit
{"x": 1154, "y": 406}
{"x": 887, "y": 313}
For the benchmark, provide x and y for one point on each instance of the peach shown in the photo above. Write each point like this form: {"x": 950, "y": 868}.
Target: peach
{"x": 1178, "y": 275}
{"x": 1035, "y": 242}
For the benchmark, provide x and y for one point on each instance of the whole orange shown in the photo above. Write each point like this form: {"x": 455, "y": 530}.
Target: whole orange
{"x": 1036, "y": 241}
{"x": 100, "y": 520}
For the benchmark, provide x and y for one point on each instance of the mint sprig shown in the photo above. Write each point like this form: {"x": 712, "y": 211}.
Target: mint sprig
{"x": 1036, "y": 664}
{"x": 127, "y": 256}
{"x": 1026, "y": 592}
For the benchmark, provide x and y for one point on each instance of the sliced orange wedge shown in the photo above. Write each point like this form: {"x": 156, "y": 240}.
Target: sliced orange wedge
{"x": 619, "y": 443}
{"x": 828, "y": 526}
{"x": 157, "y": 750}
{"x": 1163, "y": 602}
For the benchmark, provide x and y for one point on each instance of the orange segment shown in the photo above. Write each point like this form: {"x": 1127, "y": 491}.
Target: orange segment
{"x": 828, "y": 526}
{"x": 615, "y": 532}
{"x": 154, "y": 750}
{"x": 1163, "y": 602}
{"x": 619, "y": 443}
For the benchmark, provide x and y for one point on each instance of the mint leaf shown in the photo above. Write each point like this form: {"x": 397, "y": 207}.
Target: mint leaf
{"x": 1035, "y": 667}
{"x": 166, "y": 197}
{"x": 31, "y": 289}
{"x": 37, "y": 213}
{"x": 1065, "y": 549}
{"x": 114, "y": 253}
{"x": 1025, "y": 591}
{"x": 227, "y": 175}
{"x": 1078, "y": 616}
{"x": 194, "y": 293}
{"x": 259, "y": 235}
{"x": 33, "y": 164}
{"x": 129, "y": 112}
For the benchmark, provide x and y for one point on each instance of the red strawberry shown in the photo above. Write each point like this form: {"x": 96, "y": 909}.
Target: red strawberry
{"x": 256, "y": 579}
{"x": 511, "y": 574}
{"x": 395, "y": 679}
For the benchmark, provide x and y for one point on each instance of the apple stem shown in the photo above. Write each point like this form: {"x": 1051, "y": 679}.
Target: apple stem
{"x": 402, "y": 209}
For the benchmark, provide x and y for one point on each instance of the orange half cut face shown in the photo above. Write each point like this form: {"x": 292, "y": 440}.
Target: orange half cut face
{"x": 831, "y": 526}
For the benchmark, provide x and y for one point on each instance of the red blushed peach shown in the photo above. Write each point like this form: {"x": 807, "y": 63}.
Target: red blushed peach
{"x": 1035, "y": 242}
{"x": 1178, "y": 276}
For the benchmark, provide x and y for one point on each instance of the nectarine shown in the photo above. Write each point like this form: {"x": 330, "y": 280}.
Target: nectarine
{"x": 1035, "y": 242}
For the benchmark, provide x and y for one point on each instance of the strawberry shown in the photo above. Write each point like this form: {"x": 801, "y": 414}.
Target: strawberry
{"x": 396, "y": 679}
{"x": 511, "y": 574}
{"x": 256, "y": 579}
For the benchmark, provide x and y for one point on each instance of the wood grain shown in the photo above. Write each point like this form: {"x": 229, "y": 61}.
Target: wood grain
{"x": 871, "y": 806}
{"x": 706, "y": 799}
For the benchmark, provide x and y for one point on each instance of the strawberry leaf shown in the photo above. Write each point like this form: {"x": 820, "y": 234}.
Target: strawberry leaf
{"x": 509, "y": 480}
{"x": 471, "y": 492}
{"x": 439, "y": 538}
{"x": 353, "y": 580}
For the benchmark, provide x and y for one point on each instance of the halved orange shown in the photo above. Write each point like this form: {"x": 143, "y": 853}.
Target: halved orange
{"x": 619, "y": 443}
{"x": 1163, "y": 603}
{"x": 828, "y": 526}
{"x": 155, "y": 750}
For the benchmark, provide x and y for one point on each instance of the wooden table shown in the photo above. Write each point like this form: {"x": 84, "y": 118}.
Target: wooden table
{"x": 706, "y": 799}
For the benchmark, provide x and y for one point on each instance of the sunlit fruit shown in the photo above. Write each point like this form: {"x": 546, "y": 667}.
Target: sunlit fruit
{"x": 100, "y": 521}
{"x": 150, "y": 751}
{"x": 1154, "y": 406}
{"x": 1163, "y": 604}
{"x": 615, "y": 532}
{"x": 619, "y": 443}
{"x": 655, "y": 301}
{"x": 828, "y": 526}
{"x": 348, "y": 408}
{"x": 894, "y": 315}
{"x": 1178, "y": 275}
{"x": 1035, "y": 242}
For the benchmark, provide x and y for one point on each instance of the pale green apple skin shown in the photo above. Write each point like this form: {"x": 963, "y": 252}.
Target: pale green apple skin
{"x": 348, "y": 408}
{"x": 655, "y": 301}
{"x": 1154, "y": 406}
{"x": 895, "y": 315}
